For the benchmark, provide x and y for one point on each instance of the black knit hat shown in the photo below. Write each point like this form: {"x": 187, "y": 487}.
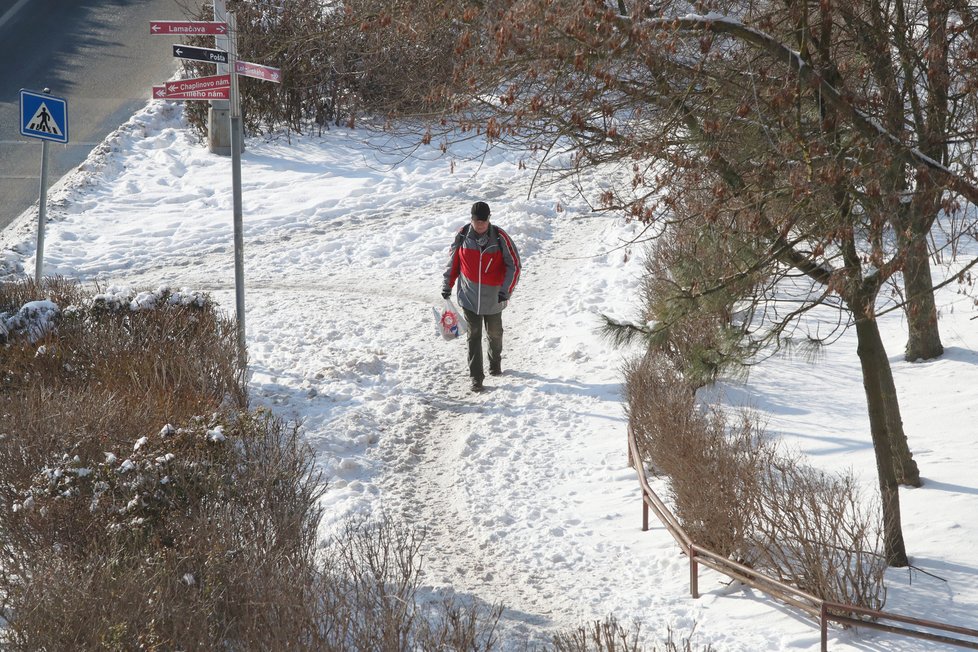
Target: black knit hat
{"x": 480, "y": 211}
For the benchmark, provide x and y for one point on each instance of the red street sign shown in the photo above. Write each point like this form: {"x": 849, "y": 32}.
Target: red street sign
{"x": 258, "y": 71}
{"x": 160, "y": 93}
{"x": 182, "y": 27}
{"x": 198, "y": 84}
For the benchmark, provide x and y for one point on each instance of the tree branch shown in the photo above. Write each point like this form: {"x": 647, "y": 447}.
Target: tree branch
{"x": 865, "y": 125}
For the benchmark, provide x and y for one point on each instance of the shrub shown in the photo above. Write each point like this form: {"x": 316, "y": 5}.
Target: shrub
{"x": 170, "y": 351}
{"x": 818, "y": 534}
{"x": 374, "y": 573}
{"x": 142, "y": 508}
{"x": 702, "y": 327}
{"x": 714, "y": 470}
{"x": 737, "y": 495}
{"x": 337, "y": 61}
{"x": 200, "y": 538}
{"x": 118, "y": 530}
{"x": 610, "y": 636}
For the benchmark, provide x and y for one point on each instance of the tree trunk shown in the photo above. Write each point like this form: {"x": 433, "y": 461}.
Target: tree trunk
{"x": 924, "y": 338}
{"x": 904, "y": 465}
{"x": 871, "y": 355}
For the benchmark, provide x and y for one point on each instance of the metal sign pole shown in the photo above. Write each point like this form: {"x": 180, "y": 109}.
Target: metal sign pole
{"x": 236, "y": 192}
{"x": 41, "y": 213}
{"x": 219, "y": 140}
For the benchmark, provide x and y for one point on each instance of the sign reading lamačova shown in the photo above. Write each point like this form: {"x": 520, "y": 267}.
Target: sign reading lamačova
{"x": 169, "y": 27}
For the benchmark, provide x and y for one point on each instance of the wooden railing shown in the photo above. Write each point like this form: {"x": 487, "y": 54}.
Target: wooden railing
{"x": 822, "y": 611}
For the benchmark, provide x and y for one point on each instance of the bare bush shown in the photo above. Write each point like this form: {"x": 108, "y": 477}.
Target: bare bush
{"x": 119, "y": 531}
{"x": 374, "y": 574}
{"x": 199, "y": 537}
{"x": 338, "y": 60}
{"x": 659, "y": 403}
{"x": 609, "y": 635}
{"x": 170, "y": 351}
{"x": 818, "y": 534}
{"x": 598, "y": 636}
{"x": 453, "y": 625}
{"x": 714, "y": 469}
{"x": 735, "y": 494}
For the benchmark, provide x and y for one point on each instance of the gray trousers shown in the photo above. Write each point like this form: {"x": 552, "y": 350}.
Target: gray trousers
{"x": 494, "y": 330}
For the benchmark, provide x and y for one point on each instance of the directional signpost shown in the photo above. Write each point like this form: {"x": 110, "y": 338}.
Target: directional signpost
{"x": 200, "y": 54}
{"x": 258, "y": 71}
{"x": 214, "y": 82}
{"x": 219, "y": 87}
{"x": 215, "y": 87}
{"x": 46, "y": 117}
{"x": 184, "y": 27}
{"x": 161, "y": 93}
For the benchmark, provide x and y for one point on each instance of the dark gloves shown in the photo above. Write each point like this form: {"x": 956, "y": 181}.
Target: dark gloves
{"x": 446, "y": 294}
{"x": 502, "y": 297}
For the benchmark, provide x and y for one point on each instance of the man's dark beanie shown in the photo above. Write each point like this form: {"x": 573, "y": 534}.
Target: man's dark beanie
{"x": 480, "y": 211}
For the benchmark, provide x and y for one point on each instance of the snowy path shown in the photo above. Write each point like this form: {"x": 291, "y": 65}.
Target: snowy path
{"x": 478, "y": 478}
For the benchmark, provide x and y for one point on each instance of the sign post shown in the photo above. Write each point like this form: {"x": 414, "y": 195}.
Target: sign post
{"x": 219, "y": 113}
{"x": 46, "y": 117}
{"x": 221, "y": 89}
{"x": 42, "y": 214}
{"x": 239, "y": 292}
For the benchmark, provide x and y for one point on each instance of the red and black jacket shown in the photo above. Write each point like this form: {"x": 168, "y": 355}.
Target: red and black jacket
{"x": 485, "y": 268}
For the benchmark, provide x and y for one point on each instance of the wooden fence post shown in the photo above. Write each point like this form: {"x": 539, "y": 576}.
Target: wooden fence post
{"x": 823, "y": 624}
{"x": 645, "y": 513}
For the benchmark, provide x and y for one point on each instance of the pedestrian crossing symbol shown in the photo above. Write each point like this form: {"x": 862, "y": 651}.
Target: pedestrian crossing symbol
{"x": 43, "y": 116}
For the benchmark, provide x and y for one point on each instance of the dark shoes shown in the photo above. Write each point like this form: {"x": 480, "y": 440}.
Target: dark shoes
{"x": 477, "y": 385}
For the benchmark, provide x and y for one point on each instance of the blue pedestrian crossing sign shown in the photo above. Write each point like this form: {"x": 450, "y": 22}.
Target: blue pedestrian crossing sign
{"x": 43, "y": 116}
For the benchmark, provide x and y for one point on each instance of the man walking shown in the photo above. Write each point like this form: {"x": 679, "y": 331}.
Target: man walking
{"x": 485, "y": 264}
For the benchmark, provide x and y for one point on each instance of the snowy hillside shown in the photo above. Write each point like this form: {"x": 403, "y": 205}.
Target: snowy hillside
{"x": 525, "y": 489}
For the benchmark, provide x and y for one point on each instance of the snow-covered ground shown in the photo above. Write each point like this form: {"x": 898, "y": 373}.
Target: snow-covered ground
{"x": 524, "y": 490}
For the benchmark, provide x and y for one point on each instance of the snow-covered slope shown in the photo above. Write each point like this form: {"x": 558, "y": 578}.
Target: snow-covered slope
{"x": 524, "y": 490}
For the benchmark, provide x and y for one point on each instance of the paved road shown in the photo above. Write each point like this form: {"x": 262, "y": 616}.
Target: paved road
{"x": 98, "y": 55}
